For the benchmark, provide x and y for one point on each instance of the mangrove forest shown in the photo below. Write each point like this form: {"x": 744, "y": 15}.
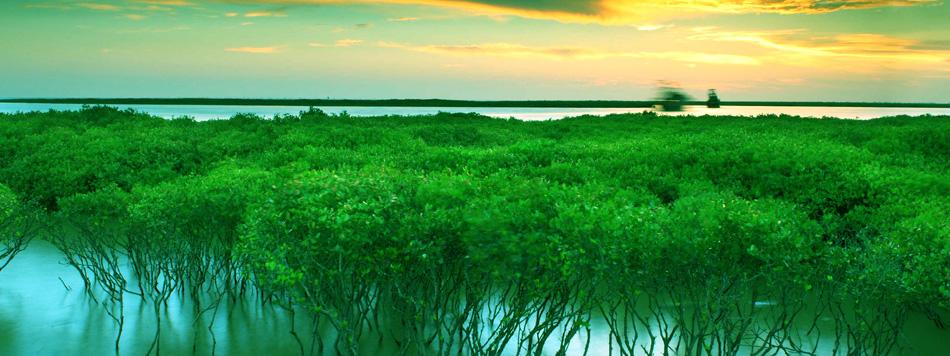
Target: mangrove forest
{"x": 461, "y": 234}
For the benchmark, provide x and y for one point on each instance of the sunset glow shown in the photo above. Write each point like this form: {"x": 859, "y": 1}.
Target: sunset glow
{"x": 839, "y": 50}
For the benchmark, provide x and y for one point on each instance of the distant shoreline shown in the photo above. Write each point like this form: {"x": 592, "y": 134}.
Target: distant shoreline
{"x": 448, "y": 103}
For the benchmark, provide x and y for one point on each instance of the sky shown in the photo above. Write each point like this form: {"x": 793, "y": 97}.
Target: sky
{"x": 805, "y": 50}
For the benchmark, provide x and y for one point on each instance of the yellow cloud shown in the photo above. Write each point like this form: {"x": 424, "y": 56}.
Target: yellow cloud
{"x": 404, "y": 19}
{"x": 347, "y": 43}
{"x": 624, "y": 12}
{"x": 259, "y": 14}
{"x": 134, "y": 17}
{"x": 516, "y": 50}
{"x": 166, "y": 2}
{"x": 857, "y": 52}
{"x": 99, "y": 7}
{"x": 253, "y": 49}
{"x": 650, "y": 27}
{"x": 699, "y": 57}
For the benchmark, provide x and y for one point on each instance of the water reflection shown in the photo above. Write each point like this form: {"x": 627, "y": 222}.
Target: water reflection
{"x": 44, "y": 311}
{"x": 39, "y": 316}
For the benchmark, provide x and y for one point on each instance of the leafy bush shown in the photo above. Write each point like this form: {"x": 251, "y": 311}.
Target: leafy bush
{"x": 433, "y": 218}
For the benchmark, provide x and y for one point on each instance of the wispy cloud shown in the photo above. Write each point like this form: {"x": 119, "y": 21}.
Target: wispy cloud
{"x": 263, "y": 13}
{"x": 404, "y": 19}
{"x": 697, "y": 57}
{"x": 790, "y": 6}
{"x": 166, "y": 2}
{"x": 46, "y": 6}
{"x": 104, "y": 7}
{"x": 150, "y": 8}
{"x": 653, "y": 83}
{"x": 517, "y": 50}
{"x": 795, "y": 81}
{"x": 501, "y": 50}
{"x": 134, "y": 16}
{"x": 617, "y": 12}
{"x": 354, "y": 27}
{"x": 347, "y": 43}
{"x": 861, "y": 51}
{"x": 651, "y": 27}
{"x": 156, "y": 30}
{"x": 253, "y": 49}
{"x": 259, "y": 14}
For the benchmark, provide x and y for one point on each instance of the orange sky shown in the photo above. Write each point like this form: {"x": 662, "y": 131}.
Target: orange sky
{"x": 866, "y": 50}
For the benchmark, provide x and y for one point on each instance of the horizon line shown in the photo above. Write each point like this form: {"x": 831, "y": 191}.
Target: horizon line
{"x": 434, "y": 102}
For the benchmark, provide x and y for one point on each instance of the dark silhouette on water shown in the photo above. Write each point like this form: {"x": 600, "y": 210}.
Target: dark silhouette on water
{"x": 713, "y": 101}
{"x": 671, "y": 98}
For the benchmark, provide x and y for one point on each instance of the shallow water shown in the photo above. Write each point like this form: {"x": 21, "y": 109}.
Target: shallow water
{"x": 210, "y": 112}
{"x": 40, "y": 316}
{"x": 45, "y": 311}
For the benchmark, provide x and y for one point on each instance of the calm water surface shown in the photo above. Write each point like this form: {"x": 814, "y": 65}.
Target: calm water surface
{"x": 210, "y": 112}
{"x": 40, "y": 316}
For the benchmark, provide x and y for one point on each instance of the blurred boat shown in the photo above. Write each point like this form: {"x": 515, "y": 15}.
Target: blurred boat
{"x": 670, "y": 99}
{"x": 713, "y": 101}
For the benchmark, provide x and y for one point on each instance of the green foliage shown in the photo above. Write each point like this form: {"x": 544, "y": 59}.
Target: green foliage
{"x": 321, "y": 209}
{"x": 19, "y": 224}
{"x": 8, "y": 203}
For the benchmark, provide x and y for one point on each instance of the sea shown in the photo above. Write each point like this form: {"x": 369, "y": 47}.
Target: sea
{"x": 219, "y": 112}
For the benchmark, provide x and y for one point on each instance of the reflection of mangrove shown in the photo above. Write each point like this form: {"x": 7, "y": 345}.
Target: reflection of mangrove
{"x": 161, "y": 246}
{"x": 19, "y": 224}
{"x": 459, "y": 234}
